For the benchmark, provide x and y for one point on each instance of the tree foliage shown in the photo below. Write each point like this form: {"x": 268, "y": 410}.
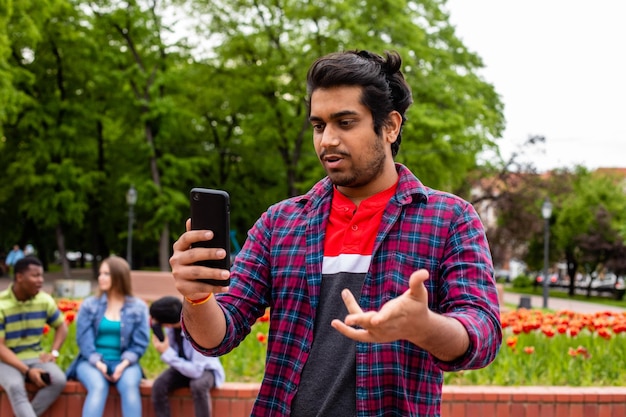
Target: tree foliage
{"x": 589, "y": 224}
{"x": 102, "y": 94}
{"x": 586, "y": 228}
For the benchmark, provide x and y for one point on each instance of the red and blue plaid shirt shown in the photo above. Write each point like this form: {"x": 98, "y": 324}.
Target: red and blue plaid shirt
{"x": 280, "y": 267}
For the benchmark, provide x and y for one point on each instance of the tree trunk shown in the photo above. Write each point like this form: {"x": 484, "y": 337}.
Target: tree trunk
{"x": 572, "y": 266}
{"x": 67, "y": 271}
{"x": 164, "y": 248}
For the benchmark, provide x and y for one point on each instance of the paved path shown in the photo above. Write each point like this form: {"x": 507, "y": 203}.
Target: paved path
{"x": 148, "y": 285}
{"x": 536, "y": 301}
{"x": 50, "y": 279}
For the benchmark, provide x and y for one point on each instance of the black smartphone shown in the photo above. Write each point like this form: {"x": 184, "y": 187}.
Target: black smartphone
{"x": 210, "y": 210}
{"x": 45, "y": 377}
{"x": 157, "y": 329}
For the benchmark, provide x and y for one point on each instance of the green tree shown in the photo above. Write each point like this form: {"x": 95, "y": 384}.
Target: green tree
{"x": 43, "y": 152}
{"x": 589, "y": 222}
{"x": 267, "y": 48}
{"x": 132, "y": 34}
{"x": 100, "y": 95}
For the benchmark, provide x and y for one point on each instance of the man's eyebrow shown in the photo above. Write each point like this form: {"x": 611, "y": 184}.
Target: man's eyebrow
{"x": 336, "y": 115}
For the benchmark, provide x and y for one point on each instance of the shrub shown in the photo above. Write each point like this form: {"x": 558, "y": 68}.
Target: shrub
{"x": 522, "y": 281}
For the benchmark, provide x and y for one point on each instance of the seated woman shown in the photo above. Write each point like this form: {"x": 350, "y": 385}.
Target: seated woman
{"x": 112, "y": 332}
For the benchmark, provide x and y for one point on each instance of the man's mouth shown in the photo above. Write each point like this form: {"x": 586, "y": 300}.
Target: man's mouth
{"x": 333, "y": 160}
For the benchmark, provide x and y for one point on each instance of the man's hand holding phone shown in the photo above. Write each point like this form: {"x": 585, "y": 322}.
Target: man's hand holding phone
{"x": 38, "y": 376}
{"x": 187, "y": 272}
{"x": 194, "y": 278}
{"x": 201, "y": 259}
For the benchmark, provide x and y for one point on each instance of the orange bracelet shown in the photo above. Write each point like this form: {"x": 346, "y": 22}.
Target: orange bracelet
{"x": 199, "y": 300}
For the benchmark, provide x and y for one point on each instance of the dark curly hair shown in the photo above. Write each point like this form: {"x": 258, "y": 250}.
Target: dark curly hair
{"x": 384, "y": 86}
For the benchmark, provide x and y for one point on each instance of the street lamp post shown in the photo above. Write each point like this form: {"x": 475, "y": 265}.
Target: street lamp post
{"x": 546, "y": 212}
{"x": 131, "y": 200}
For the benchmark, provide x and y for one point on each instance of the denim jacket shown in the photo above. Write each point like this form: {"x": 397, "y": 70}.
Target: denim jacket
{"x": 135, "y": 330}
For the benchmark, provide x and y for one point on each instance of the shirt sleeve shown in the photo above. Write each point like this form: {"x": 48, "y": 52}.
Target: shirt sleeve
{"x": 470, "y": 294}
{"x": 55, "y": 316}
{"x": 85, "y": 330}
{"x": 186, "y": 367}
{"x": 140, "y": 335}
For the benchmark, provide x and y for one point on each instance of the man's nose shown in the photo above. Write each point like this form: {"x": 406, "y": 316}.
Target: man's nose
{"x": 330, "y": 137}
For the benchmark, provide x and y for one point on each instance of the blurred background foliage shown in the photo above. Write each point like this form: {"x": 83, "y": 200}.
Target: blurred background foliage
{"x": 166, "y": 95}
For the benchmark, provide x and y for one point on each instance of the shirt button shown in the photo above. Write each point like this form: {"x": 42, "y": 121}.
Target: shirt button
{"x": 355, "y": 227}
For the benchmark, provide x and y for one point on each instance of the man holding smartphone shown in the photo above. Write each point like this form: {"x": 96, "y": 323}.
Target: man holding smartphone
{"x": 376, "y": 283}
{"x": 188, "y": 367}
{"x": 24, "y": 311}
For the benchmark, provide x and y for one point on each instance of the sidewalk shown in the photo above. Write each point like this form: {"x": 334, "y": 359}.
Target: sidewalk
{"x": 147, "y": 285}
{"x": 50, "y": 278}
{"x": 536, "y": 301}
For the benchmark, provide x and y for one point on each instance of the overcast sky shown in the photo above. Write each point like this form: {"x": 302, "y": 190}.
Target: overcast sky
{"x": 560, "y": 69}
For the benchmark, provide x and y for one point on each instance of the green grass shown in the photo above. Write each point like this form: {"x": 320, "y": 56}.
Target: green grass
{"x": 562, "y": 294}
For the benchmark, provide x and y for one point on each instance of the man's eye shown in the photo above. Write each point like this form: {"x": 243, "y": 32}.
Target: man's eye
{"x": 346, "y": 122}
{"x": 318, "y": 127}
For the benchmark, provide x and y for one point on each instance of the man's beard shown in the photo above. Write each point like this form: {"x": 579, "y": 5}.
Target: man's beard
{"x": 361, "y": 176}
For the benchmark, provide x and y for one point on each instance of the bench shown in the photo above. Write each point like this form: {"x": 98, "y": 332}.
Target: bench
{"x": 236, "y": 400}
{"x": 233, "y": 399}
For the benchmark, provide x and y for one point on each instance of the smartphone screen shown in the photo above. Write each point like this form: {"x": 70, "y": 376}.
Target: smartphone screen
{"x": 157, "y": 329}
{"x": 210, "y": 210}
{"x": 45, "y": 377}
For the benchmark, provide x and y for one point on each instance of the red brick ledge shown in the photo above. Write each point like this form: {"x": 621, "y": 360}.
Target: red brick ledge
{"x": 533, "y": 401}
{"x": 235, "y": 399}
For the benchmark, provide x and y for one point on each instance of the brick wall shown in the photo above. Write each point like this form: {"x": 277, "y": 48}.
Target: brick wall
{"x": 469, "y": 401}
{"x": 236, "y": 399}
{"x": 232, "y": 400}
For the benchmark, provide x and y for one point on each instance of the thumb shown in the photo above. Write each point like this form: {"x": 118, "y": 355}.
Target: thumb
{"x": 417, "y": 289}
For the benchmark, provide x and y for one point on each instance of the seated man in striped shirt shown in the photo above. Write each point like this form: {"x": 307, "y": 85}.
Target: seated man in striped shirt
{"x": 24, "y": 311}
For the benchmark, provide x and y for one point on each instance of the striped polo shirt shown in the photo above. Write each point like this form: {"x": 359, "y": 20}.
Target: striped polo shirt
{"x": 328, "y": 384}
{"x": 22, "y": 322}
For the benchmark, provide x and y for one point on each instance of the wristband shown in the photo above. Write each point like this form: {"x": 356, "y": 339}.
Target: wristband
{"x": 199, "y": 300}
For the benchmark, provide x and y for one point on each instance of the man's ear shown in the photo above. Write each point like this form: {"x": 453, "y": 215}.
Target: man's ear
{"x": 392, "y": 126}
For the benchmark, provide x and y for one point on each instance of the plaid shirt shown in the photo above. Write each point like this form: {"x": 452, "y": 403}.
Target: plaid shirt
{"x": 280, "y": 266}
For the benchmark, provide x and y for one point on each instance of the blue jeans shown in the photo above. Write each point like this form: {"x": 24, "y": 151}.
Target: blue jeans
{"x": 98, "y": 389}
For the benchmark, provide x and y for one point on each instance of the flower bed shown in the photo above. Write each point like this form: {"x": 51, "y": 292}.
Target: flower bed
{"x": 563, "y": 349}
{"x": 559, "y": 349}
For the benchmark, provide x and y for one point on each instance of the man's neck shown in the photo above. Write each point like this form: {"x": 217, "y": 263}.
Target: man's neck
{"x": 20, "y": 296}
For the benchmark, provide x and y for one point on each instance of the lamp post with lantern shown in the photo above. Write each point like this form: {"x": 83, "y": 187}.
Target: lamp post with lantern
{"x": 546, "y": 213}
{"x": 131, "y": 200}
